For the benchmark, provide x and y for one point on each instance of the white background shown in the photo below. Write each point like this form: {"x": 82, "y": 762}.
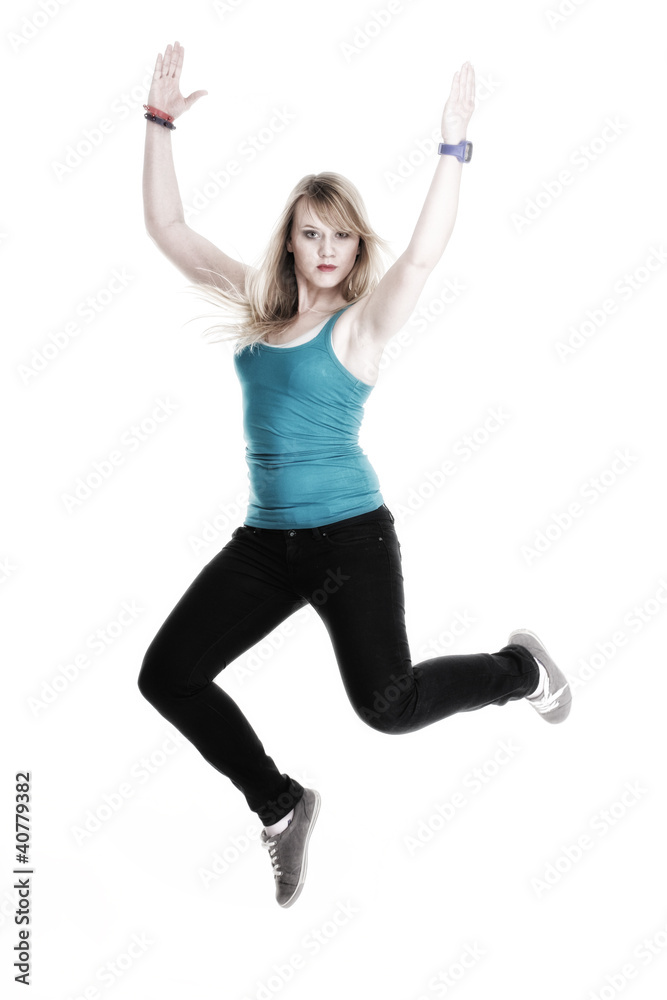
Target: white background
{"x": 395, "y": 920}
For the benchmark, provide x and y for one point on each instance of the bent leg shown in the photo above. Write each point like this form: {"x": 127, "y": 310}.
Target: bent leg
{"x": 236, "y": 600}
{"x": 365, "y": 618}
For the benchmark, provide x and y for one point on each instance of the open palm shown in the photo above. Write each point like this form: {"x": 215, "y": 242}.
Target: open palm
{"x": 165, "y": 92}
{"x": 460, "y": 105}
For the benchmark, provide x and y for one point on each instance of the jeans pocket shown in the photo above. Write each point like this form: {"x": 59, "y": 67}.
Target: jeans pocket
{"x": 354, "y": 534}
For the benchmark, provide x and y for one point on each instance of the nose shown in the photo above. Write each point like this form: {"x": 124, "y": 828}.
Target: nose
{"x": 326, "y": 249}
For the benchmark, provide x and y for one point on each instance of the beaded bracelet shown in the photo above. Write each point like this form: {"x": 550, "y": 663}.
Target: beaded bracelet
{"x": 160, "y": 121}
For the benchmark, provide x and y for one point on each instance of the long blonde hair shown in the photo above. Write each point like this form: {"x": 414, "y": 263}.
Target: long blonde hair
{"x": 269, "y": 300}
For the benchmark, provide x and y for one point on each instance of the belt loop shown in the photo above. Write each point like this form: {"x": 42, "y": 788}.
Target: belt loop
{"x": 315, "y": 532}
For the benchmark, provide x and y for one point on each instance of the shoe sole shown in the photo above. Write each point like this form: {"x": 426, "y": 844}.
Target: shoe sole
{"x": 304, "y": 868}
{"x": 535, "y": 646}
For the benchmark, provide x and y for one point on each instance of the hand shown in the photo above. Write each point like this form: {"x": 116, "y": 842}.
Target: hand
{"x": 460, "y": 105}
{"x": 165, "y": 92}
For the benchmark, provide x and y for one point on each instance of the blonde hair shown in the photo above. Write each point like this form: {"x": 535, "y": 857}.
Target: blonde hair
{"x": 269, "y": 300}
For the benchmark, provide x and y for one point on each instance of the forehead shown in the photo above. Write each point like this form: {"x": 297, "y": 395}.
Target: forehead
{"x": 307, "y": 214}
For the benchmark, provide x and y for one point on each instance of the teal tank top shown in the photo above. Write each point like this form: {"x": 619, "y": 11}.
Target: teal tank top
{"x": 302, "y": 411}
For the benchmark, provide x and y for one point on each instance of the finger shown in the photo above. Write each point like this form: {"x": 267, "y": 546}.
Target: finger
{"x": 194, "y": 96}
{"x": 470, "y": 92}
{"x": 463, "y": 89}
{"x": 179, "y": 61}
{"x": 166, "y": 62}
{"x": 158, "y": 67}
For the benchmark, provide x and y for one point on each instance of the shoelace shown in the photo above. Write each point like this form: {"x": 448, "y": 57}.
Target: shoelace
{"x": 273, "y": 854}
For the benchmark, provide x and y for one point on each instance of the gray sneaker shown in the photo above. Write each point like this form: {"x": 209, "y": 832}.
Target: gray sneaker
{"x": 556, "y": 700}
{"x": 288, "y": 850}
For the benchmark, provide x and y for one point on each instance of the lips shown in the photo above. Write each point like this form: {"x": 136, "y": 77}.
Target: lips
{"x": 326, "y": 267}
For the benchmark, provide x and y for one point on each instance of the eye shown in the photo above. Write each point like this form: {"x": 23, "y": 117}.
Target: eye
{"x": 343, "y": 234}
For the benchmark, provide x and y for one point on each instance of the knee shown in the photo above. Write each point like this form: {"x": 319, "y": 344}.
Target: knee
{"x": 146, "y": 684}
{"x": 168, "y": 671}
{"x": 389, "y": 720}
{"x": 391, "y": 709}
{"x": 151, "y": 678}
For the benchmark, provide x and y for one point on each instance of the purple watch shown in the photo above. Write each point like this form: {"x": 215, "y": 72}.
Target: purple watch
{"x": 462, "y": 152}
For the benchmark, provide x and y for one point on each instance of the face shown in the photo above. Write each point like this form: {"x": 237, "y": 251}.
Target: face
{"x": 314, "y": 244}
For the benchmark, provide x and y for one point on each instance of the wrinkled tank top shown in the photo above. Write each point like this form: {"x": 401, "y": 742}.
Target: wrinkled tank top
{"x": 302, "y": 412}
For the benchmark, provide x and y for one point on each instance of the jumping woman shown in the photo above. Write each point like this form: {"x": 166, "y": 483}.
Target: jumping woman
{"x": 309, "y": 327}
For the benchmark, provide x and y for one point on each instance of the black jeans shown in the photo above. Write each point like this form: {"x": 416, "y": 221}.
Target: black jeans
{"x": 350, "y": 572}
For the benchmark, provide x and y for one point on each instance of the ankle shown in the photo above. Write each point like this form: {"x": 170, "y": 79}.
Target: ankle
{"x": 541, "y": 682}
{"x": 281, "y": 825}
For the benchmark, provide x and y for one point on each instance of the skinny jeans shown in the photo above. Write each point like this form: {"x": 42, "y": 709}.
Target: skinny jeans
{"x": 349, "y": 571}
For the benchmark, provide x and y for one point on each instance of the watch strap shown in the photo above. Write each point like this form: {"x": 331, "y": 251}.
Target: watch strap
{"x": 462, "y": 151}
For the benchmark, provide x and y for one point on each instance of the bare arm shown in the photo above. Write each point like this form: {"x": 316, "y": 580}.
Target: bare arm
{"x": 390, "y": 304}
{"x": 163, "y": 208}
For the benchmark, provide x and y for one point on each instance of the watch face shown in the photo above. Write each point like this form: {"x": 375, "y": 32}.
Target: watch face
{"x": 468, "y": 152}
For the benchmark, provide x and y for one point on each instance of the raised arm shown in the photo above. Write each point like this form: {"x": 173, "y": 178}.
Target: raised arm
{"x": 163, "y": 209}
{"x": 389, "y": 306}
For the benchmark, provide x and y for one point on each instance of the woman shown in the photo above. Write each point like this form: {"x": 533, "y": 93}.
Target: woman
{"x": 310, "y": 327}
